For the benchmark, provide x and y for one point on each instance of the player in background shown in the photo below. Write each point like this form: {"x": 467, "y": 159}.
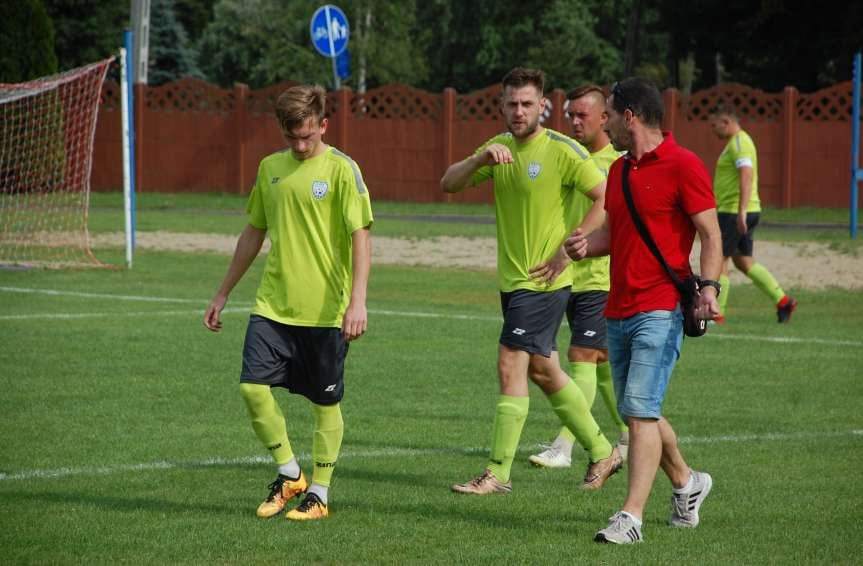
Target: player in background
{"x": 735, "y": 183}
{"x": 534, "y": 171}
{"x": 311, "y": 201}
{"x": 588, "y": 346}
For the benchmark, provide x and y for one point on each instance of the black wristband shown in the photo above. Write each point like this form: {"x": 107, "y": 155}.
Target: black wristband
{"x": 712, "y": 283}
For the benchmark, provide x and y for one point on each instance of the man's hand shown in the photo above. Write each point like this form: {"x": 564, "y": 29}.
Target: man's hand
{"x": 576, "y": 245}
{"x": 355, "y": 322}
{"x": 706, "y": 305}
{"x": 211, "y": 316}
{"x": 741, "y": 223}
{"x": 495, "y": 154}
{"x": 546, "y": 272}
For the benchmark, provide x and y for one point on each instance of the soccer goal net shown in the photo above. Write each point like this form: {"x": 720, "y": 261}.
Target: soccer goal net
{"x": 47, "y": 128}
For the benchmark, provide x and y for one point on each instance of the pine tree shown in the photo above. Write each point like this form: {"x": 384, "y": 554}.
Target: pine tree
{"x": 171, "y": 57}
{"x": 26, "y": 41}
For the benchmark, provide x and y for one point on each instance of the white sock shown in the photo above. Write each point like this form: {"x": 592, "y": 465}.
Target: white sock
{"x": 563, "y": 444}
{"x": 635, "y": 519}
{"x": 291, "y": 469}
{"x": 688, "y": 487}
{"x": 320, "y": 491}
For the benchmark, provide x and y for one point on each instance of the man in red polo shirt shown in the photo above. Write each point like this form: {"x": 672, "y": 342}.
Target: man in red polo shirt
{"x": 672, "y": 193}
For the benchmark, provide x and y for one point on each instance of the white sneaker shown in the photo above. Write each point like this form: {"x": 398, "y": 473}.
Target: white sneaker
{"x": 684, "y": 506}
{"x": 623, "y": 445}
{"x": 558, "y": 455}
{"x": 621, "y": 529}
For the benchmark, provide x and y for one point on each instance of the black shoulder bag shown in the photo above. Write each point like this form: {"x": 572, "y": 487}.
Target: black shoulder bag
{"x": 688, "y": 288}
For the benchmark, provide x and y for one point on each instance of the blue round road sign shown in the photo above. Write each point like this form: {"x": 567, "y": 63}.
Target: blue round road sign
{"x": 329, "y": 29}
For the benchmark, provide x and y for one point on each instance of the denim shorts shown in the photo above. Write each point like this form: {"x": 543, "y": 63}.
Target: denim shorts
{"x": 642, "y": 350}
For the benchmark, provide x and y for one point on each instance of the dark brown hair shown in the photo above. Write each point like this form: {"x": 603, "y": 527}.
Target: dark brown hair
{"x": 521, "y": 76}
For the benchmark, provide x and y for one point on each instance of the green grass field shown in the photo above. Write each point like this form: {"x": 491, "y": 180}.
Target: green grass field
{"x": 124, "y": 439}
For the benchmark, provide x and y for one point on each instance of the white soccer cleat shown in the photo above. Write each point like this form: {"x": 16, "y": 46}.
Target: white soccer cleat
{"x": 558, "y": 455}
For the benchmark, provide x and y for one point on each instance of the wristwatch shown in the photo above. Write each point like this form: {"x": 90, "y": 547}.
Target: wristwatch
{"x": 712, "y": 283}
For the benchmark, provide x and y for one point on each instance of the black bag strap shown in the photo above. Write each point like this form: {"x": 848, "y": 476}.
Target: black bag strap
{"x": 642, "y": 229}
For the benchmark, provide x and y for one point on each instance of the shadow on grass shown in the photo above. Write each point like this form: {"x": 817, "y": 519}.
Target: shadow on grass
{"x": 121, "y": 503}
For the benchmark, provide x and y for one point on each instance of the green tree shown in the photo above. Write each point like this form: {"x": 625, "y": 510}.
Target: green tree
{"x": 169, "y": 55}
{"x": 261, "y": 42}
{"x": 473, "y": 44}
{"x": 86, "y": 31}
{"x": 384, "y": 43}
{"x": 194, "y": 15}
{"x": 26, "y": 42}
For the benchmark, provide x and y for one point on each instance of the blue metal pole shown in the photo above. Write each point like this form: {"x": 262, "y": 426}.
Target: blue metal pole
{"x": 127, "y": 42}
{"x": 856, "y": 172}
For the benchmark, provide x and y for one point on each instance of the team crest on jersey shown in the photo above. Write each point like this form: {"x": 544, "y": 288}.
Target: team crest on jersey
{"x": 533, "y": 169}
{"x": 319, "y": 189}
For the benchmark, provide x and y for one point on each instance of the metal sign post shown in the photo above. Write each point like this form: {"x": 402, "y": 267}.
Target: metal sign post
{"x": 856, "y": 171}
{"x": 330, "y": 31}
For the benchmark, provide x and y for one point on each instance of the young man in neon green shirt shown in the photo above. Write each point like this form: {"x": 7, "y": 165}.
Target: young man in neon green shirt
{"x": 735, "y": 184}
{"x": 588, "y": 350}
{"x": 534, "y": 170}
{"x": 311, "y": 201}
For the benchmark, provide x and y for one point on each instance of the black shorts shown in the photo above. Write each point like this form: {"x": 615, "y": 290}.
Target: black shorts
{"x": 305, "y": 360}
{"x": 733, "y": 242}
{"x": 585, "y": 313}
{"x": 531, "y": 319}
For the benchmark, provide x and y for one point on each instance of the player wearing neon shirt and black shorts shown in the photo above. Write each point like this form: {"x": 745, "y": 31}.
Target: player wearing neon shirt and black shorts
{"x": 735, "y": 183}
{"x": 534, "y": 171}
{"x": 588, "y": 344}
{"x": 313, "y": 204}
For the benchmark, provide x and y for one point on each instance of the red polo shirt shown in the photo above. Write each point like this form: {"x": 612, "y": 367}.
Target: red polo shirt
{"x": 668, "y": 185}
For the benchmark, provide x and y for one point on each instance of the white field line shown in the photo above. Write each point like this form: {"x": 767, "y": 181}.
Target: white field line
{"x": 100, "y": 295}
{"x": 68, "y": 316}
{"x": 412, "y": 314}
{"x": 396, "y": 452}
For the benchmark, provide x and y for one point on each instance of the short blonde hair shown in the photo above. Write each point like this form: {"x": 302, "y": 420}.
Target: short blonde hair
{"x": 298, "y": 103}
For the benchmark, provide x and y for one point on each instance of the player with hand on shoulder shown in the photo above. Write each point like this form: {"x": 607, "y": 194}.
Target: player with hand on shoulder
{"x": 534, "y": 171}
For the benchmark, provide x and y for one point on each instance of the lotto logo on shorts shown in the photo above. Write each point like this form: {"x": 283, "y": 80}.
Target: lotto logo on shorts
{"x": 518, "y": 331}
{"x": 331, "y": 387}
{"x": 590, "y": 333}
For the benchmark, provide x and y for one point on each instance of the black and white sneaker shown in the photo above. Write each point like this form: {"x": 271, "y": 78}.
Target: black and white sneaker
{"x": 621, "y": 529}
{"x": 684, "y": 506}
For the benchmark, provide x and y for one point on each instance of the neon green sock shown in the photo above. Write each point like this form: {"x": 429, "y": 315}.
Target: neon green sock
{"x": 584, "y": 376}
{"x": 765, "y": 281}
{"x": 572, "y": 408}
{"x": 268, "y": 421}
{"x": 725, "y": 283}
{"x": 326, "y": 442}
{"x": 508, "y": 422}
{"x": 606, "y": 389}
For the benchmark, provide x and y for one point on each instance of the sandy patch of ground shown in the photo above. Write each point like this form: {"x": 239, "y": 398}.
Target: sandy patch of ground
{"x": 797, "y": 265}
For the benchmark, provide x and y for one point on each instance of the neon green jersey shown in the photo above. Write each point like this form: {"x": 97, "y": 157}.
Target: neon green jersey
{"x": 739, "y": 152}
{"x": 309, "y": 209}
{"x": 591, "y": 273}
{"x": 530, "y": 201}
